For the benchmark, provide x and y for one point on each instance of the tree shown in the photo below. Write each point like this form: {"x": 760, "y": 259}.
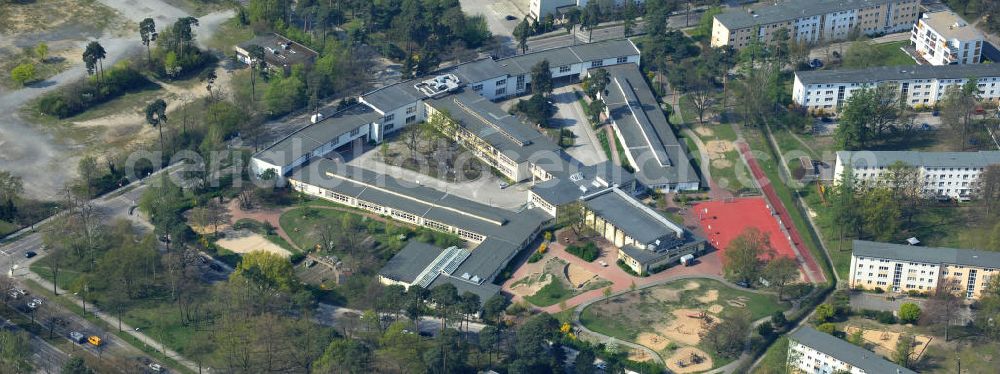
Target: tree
{"x": 93, "y": 56}
{"x": 941, "y": 308}
{"x": 537, "y": 109}
{"x": 779, "y": 272}
{"x": 728, "y": 338}
{"x": 958, "y": 108}
{"x": 584, "y": 363}
{"x": 75, "y": 365}
{"x": 880, "y": 212}
{"x": 156, "y": 116}
{"x": 521, "y": 33}
{"x": 345, "y": 356}
{"x": 267, "y": 270}
{"x": 778, "y": 319}
{"x": 903, "y": 353}
{"x": 743, "y": 259}
{"x": 909, "y": 313}
{"x": 541, "y": 78}
{"x": 989, "y": 191}
{"x": 23, "y": 73}
{"x": 988, "y": 309}
{"x": 257, "y": 66}
{"x": 867, "y": 115}
{"x": 597, "y": 83}
{"x": 14, "y": 352}
{"x": 825, "y": 312}
{"x": 42, "y": 52}
{"x": 147, "y": 32}
{"x": 701, "y": 95}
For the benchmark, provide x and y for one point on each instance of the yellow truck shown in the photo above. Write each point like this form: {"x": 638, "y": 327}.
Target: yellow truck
{"x": 94, "y": 340}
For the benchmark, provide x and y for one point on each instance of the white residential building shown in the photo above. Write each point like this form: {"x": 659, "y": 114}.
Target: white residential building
{"x": 538, "y": 9}
{"x": 811, "y": 21}
{"x": 944, "y": 38}
{"x": 902, "y": 268}
{"x": 815, "y": 352}
{"x": 951, "y": 174}
{"x": 919, "y": 85}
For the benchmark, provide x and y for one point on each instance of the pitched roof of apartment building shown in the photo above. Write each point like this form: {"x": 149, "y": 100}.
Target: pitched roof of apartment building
{"x": 849, "y": 353}
{"x": 896, "y": 73}
{"x": 767, "y": 13}
{"x": 930, "y": 255}
{"x": 980, "y": 159}
{"x": 643, "y": 126}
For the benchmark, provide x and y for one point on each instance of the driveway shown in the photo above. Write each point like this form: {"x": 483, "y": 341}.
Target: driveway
{"x": 586, "y": 148}
{"x": 496, "y": 13}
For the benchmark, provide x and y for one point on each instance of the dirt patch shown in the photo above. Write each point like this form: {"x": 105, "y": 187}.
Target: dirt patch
{"x": 884, "y": 341}
{"x": 530, "y": 285}
{"x": 704, "y": 131}
{"x": 717, "y": 148}
{"x": 639, "y": 355}
{"x": 739, "y": 302}
{"x": 692, "y": 285}
{"x": 689, "y": 360}
{"x": 687, "y": 326}
{"x": 667, "y": 294}
{"x": 708, "y": 297}
{"x": 715, "y": 309}
{"x": 654, "y": 341}
{"x": 721, "y": 163}
{"x": 578, "y": 276}
{"x": 244, "y": 241}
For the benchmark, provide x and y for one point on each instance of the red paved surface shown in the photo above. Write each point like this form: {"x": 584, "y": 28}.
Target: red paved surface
{"x": 805, "y": 258}
{"x": 726, "y": 220}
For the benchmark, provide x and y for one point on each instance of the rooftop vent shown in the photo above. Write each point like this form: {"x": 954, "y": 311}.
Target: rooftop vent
{"x": 466, "y": 276}
{"x": 576, "y": 177}
{"x": 476, "y": 278}
{"x": 438, "y": 85}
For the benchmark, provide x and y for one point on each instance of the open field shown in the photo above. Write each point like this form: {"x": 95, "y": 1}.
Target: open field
{"x": 556, "y": 282}
{"x": 40, "y": 20}
{"x": 674, "y": 314}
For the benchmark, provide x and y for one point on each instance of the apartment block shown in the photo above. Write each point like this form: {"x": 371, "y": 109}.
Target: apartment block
{"x": 953, "y": 175}
{"x": 814, "y": 352}
{"x": 901, "y": 268}
{"x": 538, "y": 9}
{"x": 923, "y": 85}
{"x": 944, "y": 38}
{"x": 811, "y": 21}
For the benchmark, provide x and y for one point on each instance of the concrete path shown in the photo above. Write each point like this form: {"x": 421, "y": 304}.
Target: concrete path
{"x": 586, "y": 148}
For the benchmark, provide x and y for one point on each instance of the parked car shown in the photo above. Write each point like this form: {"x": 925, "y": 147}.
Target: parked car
{"x": 155, "y": 367}
{"x": 504, "y": 185}
{"x": 77, "y": 337}
{"x": 816, "y": 63}
{"x": 510, "y": 17}
{"x": 30, "y": 254}
{"x": 94, "y": 340}
{"x": 743, "y": 284}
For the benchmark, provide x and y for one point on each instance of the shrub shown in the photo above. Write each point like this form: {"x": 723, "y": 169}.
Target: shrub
{"x": 535, "y": 257}
{"x": 909, "y": 313}
{"x": 588, "y": 252}
{"x": 828, "y": 328}
{"x": 296, "y": 258}
{"x": 81, "y": 96}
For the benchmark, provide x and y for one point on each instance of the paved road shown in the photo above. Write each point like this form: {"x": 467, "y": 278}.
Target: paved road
{"x": 45, "y": 357}
{"x": 586, "y": 148}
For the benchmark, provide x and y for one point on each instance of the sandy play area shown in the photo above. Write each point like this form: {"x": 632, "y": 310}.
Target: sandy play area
{"x": 708, "y": 297}
{"x": 704, "y": 131}
{"x": 654, "y": 341}
{"x": 884, "y": 342}
{"x": 687, "y": 325}
{"x": 689, "y": 360}
{"x": 531, "y": 284}
{"x": 244, "y": 241}
{"x": 578, "y": 276}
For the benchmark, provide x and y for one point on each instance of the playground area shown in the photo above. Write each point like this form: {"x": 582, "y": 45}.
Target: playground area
{"x": 244, "y": 241}
{"x": 883, "y": 342}
{"x": 555, "y": 281}
{"x": 724, "y": 220}
{"x": 671, "y": 318}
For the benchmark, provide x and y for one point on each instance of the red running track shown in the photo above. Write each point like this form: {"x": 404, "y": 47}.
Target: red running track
{"x": 722, "y": 221}
{"x": 813, "y": 271}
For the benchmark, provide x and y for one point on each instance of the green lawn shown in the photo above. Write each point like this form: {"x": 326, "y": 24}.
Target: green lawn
{"x": 551, "y": 294}
{"x": 6, "y": 228}
{"x": 891, "y": 55}
{"x": 602, "y": 137}
{"x": 43, "y": 70}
